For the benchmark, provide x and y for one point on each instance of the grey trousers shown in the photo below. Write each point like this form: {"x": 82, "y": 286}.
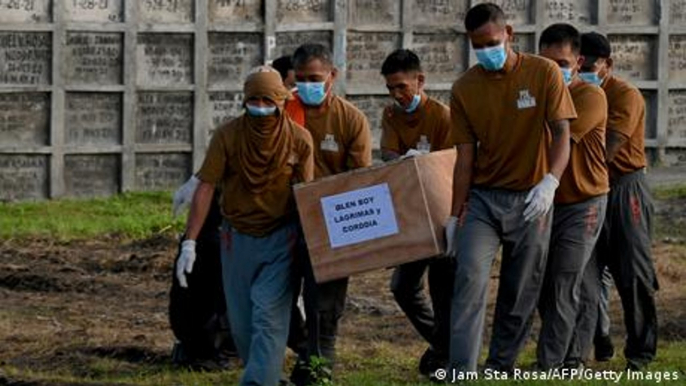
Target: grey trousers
{"x": 593, "y": 319}
{"x": 604, "y": 322}
{"x": 495, "y": 217}
{"x": 624, "y": 247}
{"x": 258, "y": 283}
{"x": 430, "y": 319}
{"x": 576, "y": 228}
{"x": 581, "y": 343}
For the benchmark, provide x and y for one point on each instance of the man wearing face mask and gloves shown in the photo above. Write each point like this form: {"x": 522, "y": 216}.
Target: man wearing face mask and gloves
{"x": 182, "y": 199}
{"x": 580, "y": 203}
{"x": 624, "y": 246}
{"x": 256, "y": 158}
{"x": 418, "y": 124}
{"x": 516, "y": 108}
{"x": 342, "y": 142}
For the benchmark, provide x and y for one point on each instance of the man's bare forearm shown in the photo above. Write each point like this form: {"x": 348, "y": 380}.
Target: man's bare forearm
{"x": 462, "y": 177}
{"x": 560, "y": 148}
{"x": 202, "y": 199}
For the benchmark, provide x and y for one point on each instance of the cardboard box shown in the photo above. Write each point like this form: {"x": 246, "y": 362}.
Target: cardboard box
{"x": 377, "y": 217}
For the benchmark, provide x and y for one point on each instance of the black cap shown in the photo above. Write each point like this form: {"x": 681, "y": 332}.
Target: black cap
{"x": 595, "y": 45}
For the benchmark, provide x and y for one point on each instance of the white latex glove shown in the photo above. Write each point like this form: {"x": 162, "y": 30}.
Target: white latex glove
{"x": 540, "y": 198}
{"x": 184, "y": 195}
{"x": 185, "y": 263}
{"x": 412, "y": 153}
{"x": 451, "y": 237}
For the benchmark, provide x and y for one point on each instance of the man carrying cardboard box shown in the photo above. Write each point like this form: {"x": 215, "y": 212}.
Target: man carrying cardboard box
{"x": 418, "y": 124}
{"x": 510, "y": 120}
{"x": 256, "y": 158}
{"x": 580, "y": 202}
{"x": 342, "y": 142}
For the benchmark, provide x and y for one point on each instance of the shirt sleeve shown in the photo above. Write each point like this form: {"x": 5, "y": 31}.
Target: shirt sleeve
{"x": 360, "y": 145}
{"x": 627, "y": 110}
{"x": 212, "y": 169}
{"x": 560, "y": 105}
{"x": 592, "y": 110}
{"x": 461, "y": 131}
{"x": 389, "y": 138}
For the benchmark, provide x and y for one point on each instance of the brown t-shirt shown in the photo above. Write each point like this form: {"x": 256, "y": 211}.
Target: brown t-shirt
{"x": 586, "y": 174}
{"x": 427, "y": 129}
{"x": 341, "y": 137}
{"x": 507, "y": 115}
{"x": 248, "y": 212}
{"x": 626, "y": 116}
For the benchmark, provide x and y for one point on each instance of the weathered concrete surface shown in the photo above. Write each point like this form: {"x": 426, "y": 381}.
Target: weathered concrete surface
{"x": 143, "y": 84}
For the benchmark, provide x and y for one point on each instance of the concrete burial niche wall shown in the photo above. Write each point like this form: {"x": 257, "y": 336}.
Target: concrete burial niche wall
{"x": 104, "y": 96}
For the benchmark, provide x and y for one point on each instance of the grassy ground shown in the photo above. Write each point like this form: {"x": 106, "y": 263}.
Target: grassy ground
{"x": 131, "y": 215}
{"x": 83, "y": 288}
{"x": 390, "y": 367}
{"x": 670, "y": 192}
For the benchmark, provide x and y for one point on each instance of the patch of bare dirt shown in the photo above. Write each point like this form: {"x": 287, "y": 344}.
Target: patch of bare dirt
{"x": 671, "y": 225}
{"x": 66, "y": 305}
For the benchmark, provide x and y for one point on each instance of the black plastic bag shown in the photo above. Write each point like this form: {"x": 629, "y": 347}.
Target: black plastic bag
{"x": 197, "y": 314}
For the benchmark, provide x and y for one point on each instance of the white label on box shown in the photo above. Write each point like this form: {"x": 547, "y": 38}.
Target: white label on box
{"x": 359, "y": 215}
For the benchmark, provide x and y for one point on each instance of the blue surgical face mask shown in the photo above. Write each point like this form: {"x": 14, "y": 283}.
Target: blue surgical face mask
{"x": 257, "y": 111}
{"x": 311, "y": 93}
{"x": 416, "y": 99}
{"x": 566, "y": 75}
{"x": 492, "y": 58}
{"x": 591, "y": 77}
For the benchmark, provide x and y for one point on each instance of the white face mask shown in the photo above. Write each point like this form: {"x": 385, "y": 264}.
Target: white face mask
{"x": 257, "y": 111}
{"x": 567, "y": 75}
{"x": 591, "y": 77}
{"x": 492, "y": 58}
{"x": 312, "y": 93}
{"x": 416, "y": 99}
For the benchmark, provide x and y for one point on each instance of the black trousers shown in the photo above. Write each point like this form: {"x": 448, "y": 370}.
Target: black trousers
{"x": 430, "y": 319}
{"x": 324, "y": 306}
{"x": 624, "y": 246}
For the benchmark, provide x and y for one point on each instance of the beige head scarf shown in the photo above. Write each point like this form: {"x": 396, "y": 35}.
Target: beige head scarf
{"x": 264, "y": 143}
